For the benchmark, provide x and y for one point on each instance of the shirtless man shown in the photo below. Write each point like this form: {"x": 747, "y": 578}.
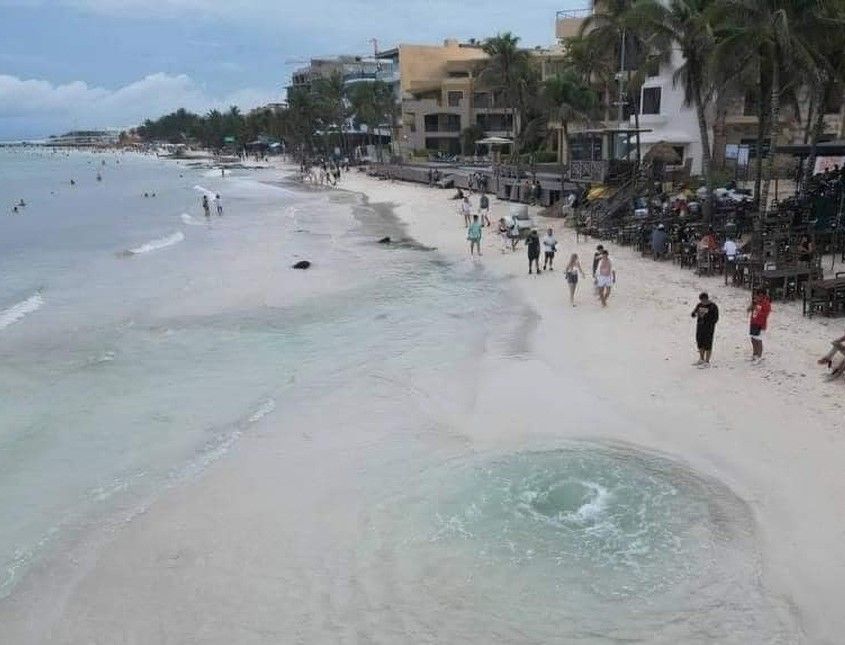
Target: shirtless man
{"x": 605, "y": 277}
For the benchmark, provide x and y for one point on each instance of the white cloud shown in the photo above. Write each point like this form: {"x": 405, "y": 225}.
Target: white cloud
{"x": 79, "y": 105}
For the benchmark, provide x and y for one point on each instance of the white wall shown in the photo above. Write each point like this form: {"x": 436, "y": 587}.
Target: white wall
{"x": 676, "y": 124}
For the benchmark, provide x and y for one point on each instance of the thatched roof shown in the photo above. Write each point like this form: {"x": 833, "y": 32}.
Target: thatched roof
{"x": 663, "y": 153}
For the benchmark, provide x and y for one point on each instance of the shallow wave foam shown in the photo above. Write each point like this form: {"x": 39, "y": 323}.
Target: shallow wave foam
{"x": 160, "y": 243}
{"x": 189, "y": 220}
{"x": 18, "y": 311}
{"x": 205, "y": 191}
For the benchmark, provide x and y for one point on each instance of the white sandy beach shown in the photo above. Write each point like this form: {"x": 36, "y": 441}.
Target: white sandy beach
{"x": 210, "y": 561}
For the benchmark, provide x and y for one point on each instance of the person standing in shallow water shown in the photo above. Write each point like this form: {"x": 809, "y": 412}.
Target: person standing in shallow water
{"x": 706, "y": 314}
{"x": 474, "y": 236}
{"x": 206, "y": 206}
{"x": 219, "y": 203}
{"x": 533, "y": 244}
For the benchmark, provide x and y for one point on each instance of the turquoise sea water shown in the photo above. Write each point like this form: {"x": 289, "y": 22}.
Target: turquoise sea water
{"x": 120, "y": 370}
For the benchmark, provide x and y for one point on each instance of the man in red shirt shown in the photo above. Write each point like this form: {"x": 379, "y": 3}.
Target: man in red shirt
{"x": 760, "y": 309}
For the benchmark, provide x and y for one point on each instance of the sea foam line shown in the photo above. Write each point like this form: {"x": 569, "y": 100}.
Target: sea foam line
{"x": 17, "y": 311}
{"x": 190, "y": 221}
{"x": 160, "y": 243}
{"x": 205, "y": 191}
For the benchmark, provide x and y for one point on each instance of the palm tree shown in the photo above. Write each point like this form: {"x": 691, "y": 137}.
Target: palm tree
{"x": 374, "y": 104}
{"x": 330, "y": 102}
{"x": 568, "y": 99}
{"x": 776, "y": 36}
{"x": 686, "y": 24}
{"x": 507, "y": 69}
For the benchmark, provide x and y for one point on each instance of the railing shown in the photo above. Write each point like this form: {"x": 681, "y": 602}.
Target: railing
{"x": 588, "y": 170}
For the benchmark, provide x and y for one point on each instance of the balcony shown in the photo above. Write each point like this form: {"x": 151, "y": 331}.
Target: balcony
{"x": 568, "y": 23}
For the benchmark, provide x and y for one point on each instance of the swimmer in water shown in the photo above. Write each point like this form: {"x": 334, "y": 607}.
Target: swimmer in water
{"x": 72, "y": 182}
{"x": 146, "y": 194}
{"x": 99, "y": 177}
{"x": 14, "y": 209}
{"x": 206, "y": 207}
{"x": 22, "y": 203}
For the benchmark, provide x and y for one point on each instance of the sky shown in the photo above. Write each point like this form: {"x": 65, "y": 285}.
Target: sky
{"x": 72, "y": 64}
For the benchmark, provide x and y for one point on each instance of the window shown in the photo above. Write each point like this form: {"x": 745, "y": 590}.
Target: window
{"x": 453, "y": 123}
{"x": 455, "y": 98}
{"x": 410, "y": 121}
{"x": 494, "y": 122}
{"x": 431, "y": 123}
{"x": 749, "y": 108}
{"x": 833, "y": 101}
{"x": 481, "y": 99}
{"x": 751, "y": 144}
{"x": 652, "y": 68}
{"x": 458, "y": 74}
{"x": 679, "y": 150}
{"x": 651, "y": 100}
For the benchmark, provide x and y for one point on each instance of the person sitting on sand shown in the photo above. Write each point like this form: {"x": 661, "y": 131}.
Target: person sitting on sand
{"x": 837, "y": 347}
{"x": 533, "y": 244}
{"x": 706, "y": 314}
{"x": 474, "y": 236}
{"x": 459, "y": 194}
{"x": 573, "y": 268}
{"x": 605, "y": 277}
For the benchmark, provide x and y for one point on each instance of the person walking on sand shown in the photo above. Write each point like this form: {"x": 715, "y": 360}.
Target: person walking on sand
{"x": 760, "y": 309}
{"x": 596, "y": 258}
{"x": 573, "y": 268}
{"x": 219, "y": 203}
{"x": 466, "y": 211}
{"x": 533, "y": 244}
{"x": 706, "y": 316}
{"x": 484, "y": 209}
{"x": 605, "y": 277}
{"x": 206, "y": 207}
{"x": 549, "y": 248}
{"x": 504, "y": 235}
{"x": 474, "y": 236}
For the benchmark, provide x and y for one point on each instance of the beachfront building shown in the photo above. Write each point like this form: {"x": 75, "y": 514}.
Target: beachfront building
{"x": 662, "y": 113}
{"x": 353, "y": 70}
{"x": 664, "y": 117}
{"x": 440, "y": 96}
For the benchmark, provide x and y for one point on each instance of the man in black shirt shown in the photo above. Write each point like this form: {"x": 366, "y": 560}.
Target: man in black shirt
{"x": 706, "y": 314}
{"x": 533, "y": 244}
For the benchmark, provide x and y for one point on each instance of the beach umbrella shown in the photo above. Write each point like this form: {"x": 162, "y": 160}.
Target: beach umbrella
{"x": 662, "y": 152}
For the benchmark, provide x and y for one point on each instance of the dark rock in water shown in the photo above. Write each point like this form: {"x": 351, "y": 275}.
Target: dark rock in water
{"x": 302, "y": 264}
{"x": 384, "y": 240}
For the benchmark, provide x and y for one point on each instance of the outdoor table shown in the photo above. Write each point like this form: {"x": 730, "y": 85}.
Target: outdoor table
{"x": 772, "y": 278}
{"x": 824, "y": 293}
